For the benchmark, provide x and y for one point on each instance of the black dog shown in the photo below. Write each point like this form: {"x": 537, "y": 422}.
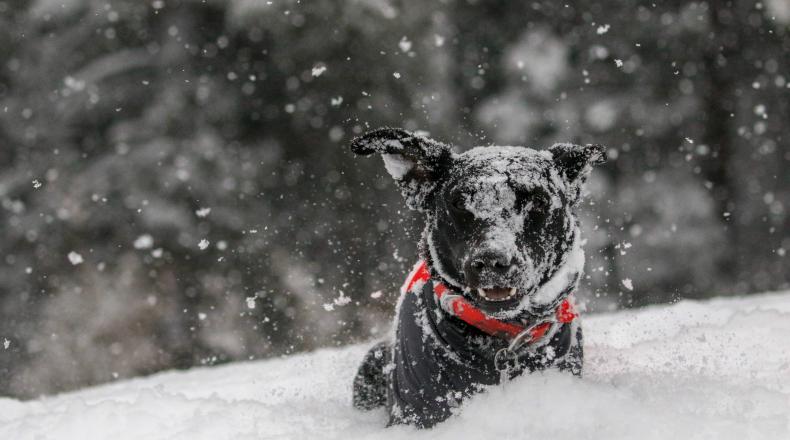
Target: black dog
{"x": 501, "y": 256}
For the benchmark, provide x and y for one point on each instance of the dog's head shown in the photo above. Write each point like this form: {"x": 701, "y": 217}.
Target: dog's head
{"x": 501, "y": 224}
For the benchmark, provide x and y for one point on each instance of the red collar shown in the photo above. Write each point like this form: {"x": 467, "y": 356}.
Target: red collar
{"x": 459, "y": 307}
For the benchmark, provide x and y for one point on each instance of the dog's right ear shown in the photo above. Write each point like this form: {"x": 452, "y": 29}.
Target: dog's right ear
{"x": 417, "y": 163}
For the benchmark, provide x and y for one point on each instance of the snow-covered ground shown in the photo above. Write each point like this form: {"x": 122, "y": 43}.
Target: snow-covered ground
{"x": 714, "y": 370}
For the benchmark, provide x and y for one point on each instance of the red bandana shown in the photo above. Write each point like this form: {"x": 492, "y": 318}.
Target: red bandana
{"x": 459, "y": 307}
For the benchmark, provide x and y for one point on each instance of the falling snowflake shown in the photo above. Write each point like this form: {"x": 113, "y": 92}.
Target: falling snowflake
{"x": 6, "y": 343}
{"x": 73, "y": 83}
{"x": 341, "y": 300}
{"x": 623, "y": 247}
{"x": 250, "y": 302}
{"x": 36, "y": 184}
{"x": 628, "y": 284}
{"x": 377, "y": 294}
{"x": 318, "y": 70}
{"x": 404, "y": 44}
{"x": 202, "y": 212}
{"x": 203, "y": 244}
{"x": 145, "y": 241}
{"x": 603, "y": 29}
{"x": 396, "y": 75}
{"x": 618, "y": 62}
{"x": 157, "y": 253}
{"x": 329, "y": 307}
{"x": 75, "y": 258}
{"x": 336, "y": 101}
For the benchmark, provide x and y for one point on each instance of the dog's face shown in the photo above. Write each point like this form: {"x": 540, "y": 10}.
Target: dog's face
{"x": 501, "y": 226}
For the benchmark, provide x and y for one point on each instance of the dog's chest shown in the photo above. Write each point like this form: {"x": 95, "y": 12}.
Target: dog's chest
{"x": 439, "y": 360}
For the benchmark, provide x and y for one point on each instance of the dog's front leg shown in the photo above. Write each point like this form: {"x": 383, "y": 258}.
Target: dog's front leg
{"x": 574, "y": 358}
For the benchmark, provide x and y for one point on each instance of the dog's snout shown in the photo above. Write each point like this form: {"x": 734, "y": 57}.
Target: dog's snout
{"x": 490, "y": 260}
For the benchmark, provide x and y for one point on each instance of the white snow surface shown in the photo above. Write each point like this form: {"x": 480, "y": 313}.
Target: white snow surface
{"x": 694, "y": 370}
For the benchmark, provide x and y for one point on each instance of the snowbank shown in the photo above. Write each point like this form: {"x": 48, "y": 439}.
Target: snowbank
{"x": 695, "y": 370}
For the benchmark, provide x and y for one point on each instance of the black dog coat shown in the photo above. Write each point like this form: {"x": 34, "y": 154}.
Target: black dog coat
{"x": 501, "y": 233}
{"x": 438, "y": 359}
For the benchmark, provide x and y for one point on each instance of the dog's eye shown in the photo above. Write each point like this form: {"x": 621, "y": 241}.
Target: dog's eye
{"x": 539, "y": 203}
{"x": 459, "y": 203}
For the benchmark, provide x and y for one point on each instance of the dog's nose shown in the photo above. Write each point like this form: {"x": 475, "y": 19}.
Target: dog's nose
{"x": 490, "y": 260}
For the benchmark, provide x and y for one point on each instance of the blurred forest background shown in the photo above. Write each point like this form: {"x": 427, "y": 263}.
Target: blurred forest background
{"x": 176, "y": 187}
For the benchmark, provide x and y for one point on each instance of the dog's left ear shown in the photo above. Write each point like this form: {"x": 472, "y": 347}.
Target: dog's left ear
{"x": 576, "y": 161}
{"x": 417, "y": 163}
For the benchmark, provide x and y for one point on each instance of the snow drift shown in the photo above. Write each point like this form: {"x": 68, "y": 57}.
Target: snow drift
{"x": 718, "y": 369}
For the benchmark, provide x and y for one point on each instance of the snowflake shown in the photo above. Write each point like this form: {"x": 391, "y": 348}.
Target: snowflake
{"x": 628, "y": 284}
{"x": 318, "y": 70}
{"x": 341, "y": 300}
{"x": 144, "y": 241}
{"x": 202, "y": 212}
{"x": 203, "y": 244}
{"x": 75, "y": 258}
{"x": 404, "y": 44}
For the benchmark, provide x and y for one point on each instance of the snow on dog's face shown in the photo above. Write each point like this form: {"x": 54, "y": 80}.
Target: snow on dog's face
{"x": 501, "y": 226}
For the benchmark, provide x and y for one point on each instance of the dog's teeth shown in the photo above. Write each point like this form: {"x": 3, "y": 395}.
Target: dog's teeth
{"x": 482, "y": 292}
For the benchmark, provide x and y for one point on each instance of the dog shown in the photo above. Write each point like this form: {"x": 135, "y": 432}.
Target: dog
{"x": 491, "y": 297}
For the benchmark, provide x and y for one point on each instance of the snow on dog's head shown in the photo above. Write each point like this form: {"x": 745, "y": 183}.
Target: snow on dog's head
{"x": 501, "y": 223}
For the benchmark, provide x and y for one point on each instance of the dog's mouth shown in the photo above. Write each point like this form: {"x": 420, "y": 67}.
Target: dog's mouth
{"x": 496, "y": 294}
